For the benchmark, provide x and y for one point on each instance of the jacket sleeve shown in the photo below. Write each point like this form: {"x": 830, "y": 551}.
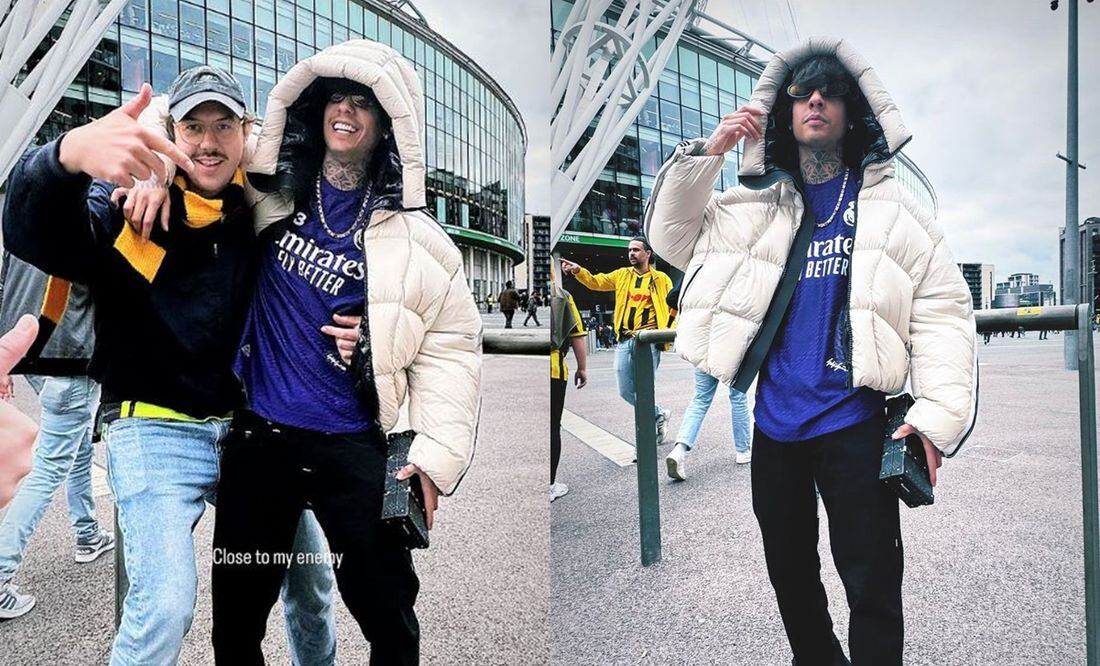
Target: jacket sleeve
{"x": 597, "y": 282}
{"x": 943, "y": 365}
{"x": 55, "y": 220}
{"x": 682, "y": 199}
{"x": 445, "y": 389}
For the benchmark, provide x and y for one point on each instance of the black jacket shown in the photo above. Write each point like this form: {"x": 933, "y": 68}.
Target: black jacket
{"x": 166, "y": 337}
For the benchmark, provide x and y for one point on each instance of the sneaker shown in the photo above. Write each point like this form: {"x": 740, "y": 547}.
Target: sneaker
{"x": 87, "y": 550}
{"x": 676, "y": 462}
{"x": 13, "y": 604}
{"x": 743, "y": 457}
{"x": 557, "y": 490}
{"x": 662, "y": 427}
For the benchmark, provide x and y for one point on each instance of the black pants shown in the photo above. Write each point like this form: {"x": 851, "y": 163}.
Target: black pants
{"x": 269, "y": 473}
{"x": 864, "y": 533}
{"x": 532, "y": 314}
{"x": 557, "y": 406}
{"x": 508, "y": 314}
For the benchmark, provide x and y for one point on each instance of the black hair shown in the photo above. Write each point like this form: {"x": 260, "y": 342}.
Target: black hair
{"x": 643, "y": 241}
{"x": 815, "y": 72}
{"x": 303, "y": 148}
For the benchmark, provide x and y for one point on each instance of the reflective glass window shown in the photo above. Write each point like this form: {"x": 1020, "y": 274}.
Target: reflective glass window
{"x": 668, "y": 87}
{"x": 217, "y": 32}
{"x": 218, "y": 5}
{"x": 340, "y": 12}
{"x": 166, "y": 63}
{"x": 383, "y": 30}
{"x": 324, "y": 32}
{"x": 726, "y": 102}
{"x": 242, "y": 9}
{"x": 135, "y": 14}
{"x": 217, "y": 60}
{"x": 670, "y": 119}
{"x": 689, "y": 62}
{"x": 708, "y": 70}
{"x": 324, "y": 8}
{"x": 370, "y": 24}
{"x": 709, "y": 124}
{"x": 725, "y": 77}
{"x": 305, "y": 51}
{"x": 692, "y": 123}
{"x": 305, "y": 25}
{"x": 397, "y": 38}
{"x": 308, "y": 4}
{"x": 709, "y": 99}
{"x": 649, "y": 148}
{"x": 265, "y": 47}
{"x": 689, "y": 93}
{"x": 265, "y": 81}
{"x": 191, "y": 56}
{"x": 265, "y": 14}
{"x": 135, "y": 59}
{"x": 242, "y": 69}
{"x": 284, "y": 53}
{"x": 744, "y": 85}
{"x": 192, "y": 24}
{"x": 242, "y": 39}
{"x": 164, "y": 19}
{"x": 355, "y": 18}
{"x": 285, "y": 17}
{"x": 340, "y": 33}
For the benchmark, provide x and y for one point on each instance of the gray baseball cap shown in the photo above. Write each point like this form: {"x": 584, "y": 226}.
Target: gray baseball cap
{"x": 204, "y": 84}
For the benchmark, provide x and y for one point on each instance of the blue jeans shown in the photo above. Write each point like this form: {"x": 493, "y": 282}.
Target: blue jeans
{"x": 705, "y": 386}
{"x": 63, "y": 451}
{"x": 624, "y": 369}
{"x": 162, "y": 474}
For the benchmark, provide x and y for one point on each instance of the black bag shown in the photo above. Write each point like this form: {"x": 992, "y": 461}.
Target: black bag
{"x": 904, "y": 464}
{"x": 403, "y": 501}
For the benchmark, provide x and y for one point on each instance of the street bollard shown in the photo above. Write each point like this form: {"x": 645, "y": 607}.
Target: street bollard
{"x": 1052, "y": 318}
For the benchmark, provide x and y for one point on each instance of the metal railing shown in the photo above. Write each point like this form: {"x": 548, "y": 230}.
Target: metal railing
{"x": 493, "y": 341}
{"x": 1056, "y": 318}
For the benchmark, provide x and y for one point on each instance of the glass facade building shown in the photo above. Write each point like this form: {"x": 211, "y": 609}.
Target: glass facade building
{"x": 702, "y": 80}
{"x": 475, "y": 141}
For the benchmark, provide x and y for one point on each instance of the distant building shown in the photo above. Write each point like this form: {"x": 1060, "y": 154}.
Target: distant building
{"x": 1023, "y": 290}
{"x": 1090, "y": 253}
{"x": 534, "y": 272}
{"x": 979, "y": 277}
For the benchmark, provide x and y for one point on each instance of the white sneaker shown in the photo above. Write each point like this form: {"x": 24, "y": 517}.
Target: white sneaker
{"x": 13, "y": 604}
{"x": 677, "y": 469}
{"x": 662, "y": 427}
{"x": 557, "y": 490}
{"x": 743, "y": 457}
{"x": 87, "y": 550}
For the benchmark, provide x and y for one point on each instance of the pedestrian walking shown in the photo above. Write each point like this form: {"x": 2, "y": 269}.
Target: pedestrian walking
{"x": 532, "y": 311}
{"x": 705, "y": 387}
{"x": 566, "y": 331}
{"x": 489, "y": 303}
{"x": 827, "y": 333}
{"x": 63, "y": 452}
{"x": 508, "y": 300}
{"x": 640, "y": 293}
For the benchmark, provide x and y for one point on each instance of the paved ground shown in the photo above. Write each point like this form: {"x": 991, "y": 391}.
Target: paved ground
{"x": 496, "y": 319}
{"x": 994, "y": 570}
{"x": 484, "y": 582}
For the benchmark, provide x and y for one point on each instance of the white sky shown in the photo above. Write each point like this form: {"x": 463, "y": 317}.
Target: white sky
{"x": 982, "y": 87}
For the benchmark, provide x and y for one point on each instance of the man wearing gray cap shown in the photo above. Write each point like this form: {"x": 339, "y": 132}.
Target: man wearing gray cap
{"x": 170, "y": 305}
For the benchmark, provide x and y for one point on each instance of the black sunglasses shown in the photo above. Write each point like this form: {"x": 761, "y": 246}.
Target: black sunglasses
{"x": 830, "y": 89}
{"x": 358, "y": 101}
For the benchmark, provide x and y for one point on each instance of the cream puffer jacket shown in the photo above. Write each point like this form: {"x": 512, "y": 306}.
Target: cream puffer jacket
{"x": 910, "y": 311}
{"x": 425, "y": 329}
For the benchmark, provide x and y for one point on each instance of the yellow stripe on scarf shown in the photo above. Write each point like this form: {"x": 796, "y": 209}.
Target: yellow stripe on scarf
{"x": 144, "y": 255}
{"x": 56, "y": 299}
{"x": 201, "y": 211}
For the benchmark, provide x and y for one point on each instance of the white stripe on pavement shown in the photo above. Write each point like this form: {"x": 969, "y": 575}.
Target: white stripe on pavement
{"x": 601, "y": 441}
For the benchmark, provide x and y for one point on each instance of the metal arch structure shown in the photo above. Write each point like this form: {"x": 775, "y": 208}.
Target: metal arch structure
{"x": 603, "y": 78}
{"x": 407, "y": 7}
{"x": 27, "y": 101}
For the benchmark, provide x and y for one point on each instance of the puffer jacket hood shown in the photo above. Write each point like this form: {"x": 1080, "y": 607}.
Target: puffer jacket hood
{"x": 293, "y": 116}
{"x": 878, "y": 131}
{"x": 909, "y": 319}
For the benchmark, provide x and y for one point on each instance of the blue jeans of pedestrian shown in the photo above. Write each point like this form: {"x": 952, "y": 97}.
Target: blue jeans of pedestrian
{"x": 63, "y": 452}
{"x": 162, "y": 473}
{"x": 705, "y": 386}
{"x": 624, "y": 370}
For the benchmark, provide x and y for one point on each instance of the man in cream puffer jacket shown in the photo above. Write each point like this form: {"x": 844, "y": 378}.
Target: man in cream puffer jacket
{"x": 863, "y": 302}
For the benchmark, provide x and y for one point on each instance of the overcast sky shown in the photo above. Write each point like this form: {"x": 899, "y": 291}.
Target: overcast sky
{"x": 510, "y": 41}
{"x": 982, "y": 87}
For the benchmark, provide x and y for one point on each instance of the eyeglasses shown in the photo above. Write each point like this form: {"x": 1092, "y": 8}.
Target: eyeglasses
{"x": 830, "y": 89}
{"x": 358, "y": 101}
{"x": 193, "y": 131}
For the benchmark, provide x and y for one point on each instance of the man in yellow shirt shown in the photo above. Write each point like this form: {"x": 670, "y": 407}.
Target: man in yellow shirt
{"x": 640, "y": 292}
{"x": 566, "y": 330}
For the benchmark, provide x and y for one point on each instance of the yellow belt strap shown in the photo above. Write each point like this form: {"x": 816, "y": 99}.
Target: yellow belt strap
{"x": 133, "y": 409}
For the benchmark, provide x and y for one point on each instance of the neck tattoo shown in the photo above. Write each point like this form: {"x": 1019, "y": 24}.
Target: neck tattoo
{"x": 344, "y": 176}
{"x": 819, "y": 166}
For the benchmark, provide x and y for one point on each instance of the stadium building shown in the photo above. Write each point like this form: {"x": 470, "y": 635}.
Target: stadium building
{"x": 475, "y": 140}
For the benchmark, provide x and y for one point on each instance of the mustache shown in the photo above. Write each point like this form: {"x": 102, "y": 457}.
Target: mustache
{"x": 208, "y": 154}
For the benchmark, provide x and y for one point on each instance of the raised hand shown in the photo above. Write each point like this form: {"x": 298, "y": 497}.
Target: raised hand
{"x": 744, "y": 122}
{"x": 569, "y": 267}
{"x": 145, "y": 202}
{"x": 116, "y": 148}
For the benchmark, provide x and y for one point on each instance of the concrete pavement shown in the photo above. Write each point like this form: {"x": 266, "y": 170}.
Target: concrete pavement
{"x": 484, "y": 582}
{"x": 994, "y": 570}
